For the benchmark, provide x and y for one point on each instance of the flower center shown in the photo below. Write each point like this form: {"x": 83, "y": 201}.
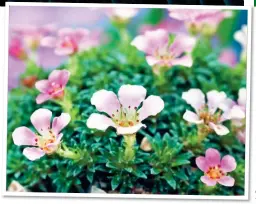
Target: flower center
{"x": 126, "y": 117}
{"x": 43, "y": 141}
{"x": 208, "y": 117}
{"x": 215, "y": 172}
{"x": 70, "y": 43}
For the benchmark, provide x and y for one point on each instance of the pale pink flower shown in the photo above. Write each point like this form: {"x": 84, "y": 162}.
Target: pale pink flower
{"x": 210, "y": 114}
{"x": 17, "y": 49}
{"x": 123, "y": 111}
{"x": 158, "y": 51}
{"x": 53, "y": 87}
{"x": 237, "y": 111}
{"x": 121, "y": 14}
{"x": 216, "y": 169}
{"x": 172, "y": 26}
{"x": 228, "y": 57}
{"x": 70, "y": 41}
{"x": 203, "y": 20}
{"x": 32, "y": 35}
{"x": 241, "y": 37}
{"x": 48, "y": 138}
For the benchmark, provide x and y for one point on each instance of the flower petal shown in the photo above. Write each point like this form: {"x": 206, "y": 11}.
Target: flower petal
{"x": 129, "y": 130}
{"x": 49, "y": 42}
{"x": 182, "y": 43}
{"x": 64, "y": 51}
{"x": 131, "y": 95}
{"x": 242, "y": 97}
{"x": 237, "y": 112}
{"x": 23, "y": 136}
{"x": 60, "y": 122}
{"x": 41, "y": 119}
{"x": 202, "y": 164}
{"x": 241, "y": 136}
{"x": 228, "y": 163}
{"x": 151, "y": 107}
{"x": 152, "y": 60}
{"x": 60, "y": 77}
{"x": 219, "y": 129}
{"x": 192, "y": 117}
{"x": 209, "y": 182}
{"x": 195, "y": 98}
{"x": 33, "y": 153}
{"x": 100, "y": 122}
{"x": 105, "y": 101}
{"x": 184, "y": 61}
{"x": 42, "y": 85}
{"x": 227, "y": 181}
{"x": 215, "y": 100}
{"x": 212, "y": 156}
{"x": 41, "y": 98}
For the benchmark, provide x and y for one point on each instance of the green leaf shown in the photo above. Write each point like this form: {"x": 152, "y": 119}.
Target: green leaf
{"x": 170, "y": 180}
{"x": 115, "y": 182}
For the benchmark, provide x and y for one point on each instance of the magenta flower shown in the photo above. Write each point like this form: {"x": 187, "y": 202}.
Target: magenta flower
{"x": 210, "y": 114}
{"x": 158, "y": 51}
{"x": 53, "y": 87}
{"x": 70, "y": 41}
{"x": 33, "y": 35}
{"x": 216, "y": 169}
{"x": 228, "y": 57}
{"x": 48, "y": 138}
{"x": 123, "y": 111}
{"x": 204, "y": 20}
{"x": 17, "y": 50}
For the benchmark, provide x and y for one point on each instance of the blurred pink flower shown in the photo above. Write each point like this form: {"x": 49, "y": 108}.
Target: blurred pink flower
{"x": 70, "y": 41}
{"x": 123, "y": 111}
{"x": 204, "y": 20}
{"x": 159, "y": 52}
{"x": 171, "y": 26}
{"x": 53, "y": 87}
{"x": 237, "y": 111}
{"x": 17, "y": 50}
{"x": 121, "y": 14}
{"x": 32, "y": 35}
{"x": 49, "y": 137}
{"x": 211, "y": 114}
{"x": 215, "y": 169}
{"x": 228, "y": 57}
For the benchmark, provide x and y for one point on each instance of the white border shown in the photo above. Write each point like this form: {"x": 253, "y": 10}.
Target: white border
{"x": 79, "y": 195}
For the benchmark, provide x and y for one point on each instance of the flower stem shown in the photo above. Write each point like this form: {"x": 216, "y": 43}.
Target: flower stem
{"x": 129, "y": 152}
{"x": 63, "y": 151}
{"x": 202, "y": 133}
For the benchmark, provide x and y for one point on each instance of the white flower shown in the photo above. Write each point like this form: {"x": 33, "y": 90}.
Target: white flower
{"x": 211, "y": 114}
{"x": 123, "y": 111}
{"x": 241, "y": 37}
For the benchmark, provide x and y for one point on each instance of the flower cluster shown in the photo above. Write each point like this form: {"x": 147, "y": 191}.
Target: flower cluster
{"x": 167, "y": 119}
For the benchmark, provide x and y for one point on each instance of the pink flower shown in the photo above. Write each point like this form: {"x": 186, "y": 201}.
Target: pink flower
{"x": 172, "y": 26}
{"x": 123, "y": 111}
{"x": 33, "y": 35}
{"x": 53, "y": 87}
{"x": 210, "y": 114}
{"x": 203, "y": 20}
{"x": 237, "y": 111}
{"x": 228, "y": 57}
{"x": 159, "y": 52}
{"x": 121, "y": 14}
{"x": 48, "y": 138}
{"x": 215, "y": 169}
{"x": 17, "y": 50}
{"x": 70, "y": 41}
